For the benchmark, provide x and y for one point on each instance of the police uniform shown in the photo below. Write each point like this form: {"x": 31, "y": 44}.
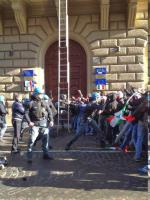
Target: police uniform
{"x": 37, "y": 113}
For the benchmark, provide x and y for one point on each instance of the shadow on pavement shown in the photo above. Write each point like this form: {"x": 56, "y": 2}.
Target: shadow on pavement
{"x": 75, "y": 170}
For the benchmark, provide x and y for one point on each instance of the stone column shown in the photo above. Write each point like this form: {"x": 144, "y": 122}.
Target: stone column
{"x": 132, "y": 9}
{"x": 104, "y": 14}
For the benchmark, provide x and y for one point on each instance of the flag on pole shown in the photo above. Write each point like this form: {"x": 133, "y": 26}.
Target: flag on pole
{"x": 120, "y": 116}
{"x": 116, "y": 120}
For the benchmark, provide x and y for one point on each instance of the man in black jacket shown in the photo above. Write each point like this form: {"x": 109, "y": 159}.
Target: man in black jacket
{"x": 86, "y": 115}
{"x": 3, "y": 112}
{"x": 18, "y": 112}
{"x": 37, "y": 115}
{"x": 113, "y": 104}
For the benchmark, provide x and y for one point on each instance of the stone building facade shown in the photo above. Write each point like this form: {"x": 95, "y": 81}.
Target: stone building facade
{"x": 113, "y": 33}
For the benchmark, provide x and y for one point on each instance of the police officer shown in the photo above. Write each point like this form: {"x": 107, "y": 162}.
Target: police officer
{"x": 3, "y": 112}
{"x": 36, "y": 116}
{"x": 54, "y": 112}
{"x": 47, "y": 99}
{"x": 18, "y": 112}
{"x": 24, "y": 126}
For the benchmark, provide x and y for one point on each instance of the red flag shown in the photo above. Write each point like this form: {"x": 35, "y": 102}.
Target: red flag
{"x": 129, "y": 118}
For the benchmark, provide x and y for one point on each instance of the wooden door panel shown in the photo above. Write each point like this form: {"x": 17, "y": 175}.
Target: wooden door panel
{"x": 78, "y": 71}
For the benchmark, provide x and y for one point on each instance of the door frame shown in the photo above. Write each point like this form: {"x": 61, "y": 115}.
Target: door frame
{"x": 77, "y": 38}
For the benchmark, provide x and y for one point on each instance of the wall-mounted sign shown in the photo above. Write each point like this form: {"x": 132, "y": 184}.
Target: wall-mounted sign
{"x": 102, "y": 87}
{"x": 28, "y": 73}
{"x": 100, "y": 81}
{"x": 29, "y": 86}
{"x": 100, "y": 78}
{"x": 100, "y": 70}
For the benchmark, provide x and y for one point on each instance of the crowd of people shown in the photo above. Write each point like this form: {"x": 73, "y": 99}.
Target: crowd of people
{"x": 117, "y": 119}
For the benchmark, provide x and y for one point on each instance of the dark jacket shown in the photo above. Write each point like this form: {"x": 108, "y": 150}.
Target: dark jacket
{"x": 37, "y": 111}
{"x": 18, "y": 110}
{"x": 3, "y": 113}
{"x": 141, "y": 111}
{"x": 110, "y": 108}
{"x": 74, "y": 109}
{"x": 133, "y": 104}
{"x": 92, "y": 109}
{"x": 121, "y": 104}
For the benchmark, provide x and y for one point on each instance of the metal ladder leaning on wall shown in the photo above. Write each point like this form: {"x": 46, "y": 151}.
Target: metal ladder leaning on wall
{"x": 63, "y": 59}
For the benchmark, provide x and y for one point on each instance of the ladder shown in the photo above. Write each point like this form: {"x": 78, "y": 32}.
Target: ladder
{"x": 63, "y": 59}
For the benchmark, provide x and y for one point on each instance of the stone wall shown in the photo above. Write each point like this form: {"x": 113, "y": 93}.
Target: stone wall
{"x": 126, "y": 66}
{"x": 149, "y": 56}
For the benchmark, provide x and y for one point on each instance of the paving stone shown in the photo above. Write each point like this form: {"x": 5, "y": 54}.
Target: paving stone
{"x": 73, "y": 175}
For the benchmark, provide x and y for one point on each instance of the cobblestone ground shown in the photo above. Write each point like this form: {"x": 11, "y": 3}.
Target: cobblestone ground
{"x": 73, "y": 176}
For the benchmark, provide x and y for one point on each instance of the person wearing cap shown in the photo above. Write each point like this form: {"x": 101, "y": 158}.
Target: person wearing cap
{"x": 18, "y": 112}
{"x": 50, "y": 103}
{"x": 3, "y": 112}
{"x": 47, "y": 99}
{"x": 37, "y": 115}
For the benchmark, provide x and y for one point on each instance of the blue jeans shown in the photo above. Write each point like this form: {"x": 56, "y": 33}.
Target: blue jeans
{"x": 128, "y": 135}
{"x": 138, "y": 137}
{"x": 51, "y": 130}
{"x": 89, "y": 129}
{"x": 74, "y": 122}
{"x": 122, "y": 132}
{"x": 93, "y": 124}
{"x": 82, "y": 126}
{"x": 34, "y": 133}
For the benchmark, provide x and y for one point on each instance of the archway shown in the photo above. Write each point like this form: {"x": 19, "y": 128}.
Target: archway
{"x": 78, "y": 69}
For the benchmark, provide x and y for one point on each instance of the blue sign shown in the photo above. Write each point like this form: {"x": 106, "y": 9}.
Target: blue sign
{"x": 28, "y": 73}
{"x": 100, "y": 82}
{"x": 100, "y": 70}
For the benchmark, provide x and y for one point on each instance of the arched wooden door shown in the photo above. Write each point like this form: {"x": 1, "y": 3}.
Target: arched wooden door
{"x": 78, "y": 69}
